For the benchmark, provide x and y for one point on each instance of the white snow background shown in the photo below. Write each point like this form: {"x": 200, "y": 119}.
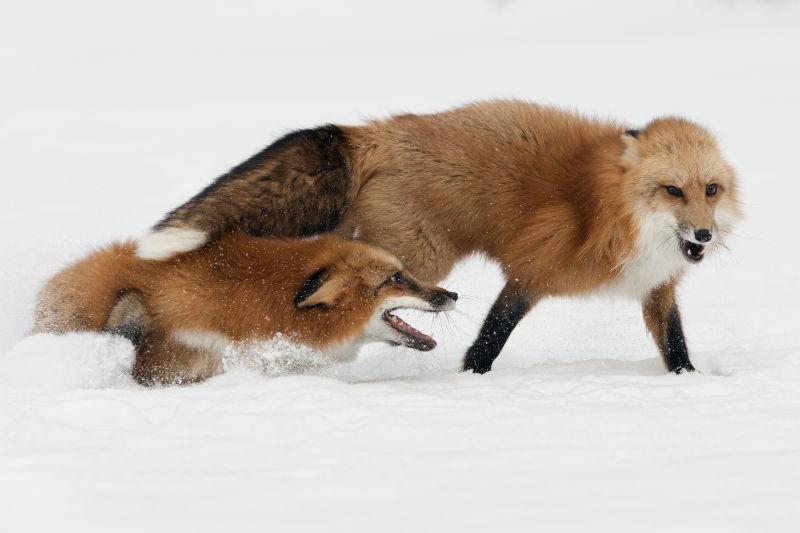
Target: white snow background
{"x": 112, "y": 113}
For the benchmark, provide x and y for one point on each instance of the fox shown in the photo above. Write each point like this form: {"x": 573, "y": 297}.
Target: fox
{"x": 328, "y": 294}
{"x": 566, "y": 204}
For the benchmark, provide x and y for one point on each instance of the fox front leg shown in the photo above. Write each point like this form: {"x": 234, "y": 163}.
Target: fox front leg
{"x": 509, "y": 308}
{"x": 663, "y": 320}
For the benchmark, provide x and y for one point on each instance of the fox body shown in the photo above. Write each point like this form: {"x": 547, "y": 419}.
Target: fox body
{"x": 326, "y": 293}
{"x": 565, "y": 204}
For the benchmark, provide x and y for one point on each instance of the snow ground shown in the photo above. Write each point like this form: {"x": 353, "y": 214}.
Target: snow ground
{"x": 112, "y": 115}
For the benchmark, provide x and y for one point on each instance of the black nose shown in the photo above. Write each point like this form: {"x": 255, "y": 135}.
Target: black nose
{"x": 702, "y": 235}
{"x": 443, "y": 298}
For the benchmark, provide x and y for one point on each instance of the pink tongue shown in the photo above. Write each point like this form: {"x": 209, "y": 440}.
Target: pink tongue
{"x": 400, "y": 324}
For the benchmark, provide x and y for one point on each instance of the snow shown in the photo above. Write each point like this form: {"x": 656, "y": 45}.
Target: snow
{"x": 111, "y": 115}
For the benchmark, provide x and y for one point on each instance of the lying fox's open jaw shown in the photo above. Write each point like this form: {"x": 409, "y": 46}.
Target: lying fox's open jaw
{"x": 413, "y": 338}
{"x": 386, "y": 326}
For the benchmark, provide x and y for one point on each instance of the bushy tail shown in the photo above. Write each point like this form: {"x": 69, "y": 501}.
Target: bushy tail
{"x": 298, "y": 186}
{"x": 82, "y": 296}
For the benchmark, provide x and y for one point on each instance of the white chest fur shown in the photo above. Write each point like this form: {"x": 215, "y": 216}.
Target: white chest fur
{"x": 656, "y": 259}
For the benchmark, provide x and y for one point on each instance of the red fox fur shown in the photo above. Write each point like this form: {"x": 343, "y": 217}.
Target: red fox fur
{"x": 564, "y": 203}
{"x": 326, "y": 293}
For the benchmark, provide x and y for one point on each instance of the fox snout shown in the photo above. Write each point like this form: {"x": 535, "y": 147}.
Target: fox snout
{"x": 697, "y": 235}
{"x": 693, "y": 241}
{"x": 443, "y": 300}
{"x": 703, "y": 235}
{"x": 429, "y": 297}
{"x": 412, "y": 294}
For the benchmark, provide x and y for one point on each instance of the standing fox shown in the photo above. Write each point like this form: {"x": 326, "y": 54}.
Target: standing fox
{"x": 327, "y": 293}
{"x": 565, "y": 204}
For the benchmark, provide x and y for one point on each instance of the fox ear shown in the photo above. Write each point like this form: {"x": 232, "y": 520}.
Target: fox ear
{"x": 631, "y": 154}
{"x": 320, "y": 289}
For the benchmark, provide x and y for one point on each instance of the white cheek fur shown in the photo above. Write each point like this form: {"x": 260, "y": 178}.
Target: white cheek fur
{"x": 726, "y": 218}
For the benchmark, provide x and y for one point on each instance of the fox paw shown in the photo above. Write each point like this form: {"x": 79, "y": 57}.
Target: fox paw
{"x": 685, "y": 369}
{"x": 475, "y": 365}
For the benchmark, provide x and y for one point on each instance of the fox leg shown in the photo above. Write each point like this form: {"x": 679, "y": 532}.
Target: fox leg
{"x": 298, "y": 186}
{"x": 129, "y": 318}
{"x": 663, "y": 320}
{"x": 509, "y": 308}
{"x": 161, "y": 360}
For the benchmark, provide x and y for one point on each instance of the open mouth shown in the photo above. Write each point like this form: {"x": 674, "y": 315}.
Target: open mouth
{"x": 413, "y": 338}
{"x": 693, "y": 252}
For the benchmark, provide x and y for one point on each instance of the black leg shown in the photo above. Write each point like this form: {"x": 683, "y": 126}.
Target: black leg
{"x": 676, "y": 355}
{"x": 505, "y": 314}
{"x": 663, "y": 319}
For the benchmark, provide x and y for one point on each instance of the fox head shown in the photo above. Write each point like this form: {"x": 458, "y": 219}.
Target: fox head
{"x": 683, "y": 184}
{"x": 355, "y": 291}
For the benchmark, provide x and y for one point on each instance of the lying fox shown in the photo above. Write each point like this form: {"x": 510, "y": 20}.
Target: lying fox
{"x": 565, "y": 204}
{"x": 325, "y": 293}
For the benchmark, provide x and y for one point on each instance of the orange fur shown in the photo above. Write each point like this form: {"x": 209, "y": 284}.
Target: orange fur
{"x": 564, "y": 203}
{"x": 241, "y": 288}
{"x": 555, "y": 197}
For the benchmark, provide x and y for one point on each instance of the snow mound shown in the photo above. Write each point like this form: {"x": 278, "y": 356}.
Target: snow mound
{"x": 66, "y": 362}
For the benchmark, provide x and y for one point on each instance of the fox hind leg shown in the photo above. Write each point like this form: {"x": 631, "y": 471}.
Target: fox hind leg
{"x": 160, "y": 359}
{"x": 129, "y": 318}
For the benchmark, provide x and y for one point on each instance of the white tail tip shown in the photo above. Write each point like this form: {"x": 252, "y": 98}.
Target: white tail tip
{"x": 164, "y": 243}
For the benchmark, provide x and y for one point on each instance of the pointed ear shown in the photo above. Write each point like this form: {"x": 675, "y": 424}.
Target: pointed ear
{"x": 631, "y": 154}
{"x": 320, "y": 289}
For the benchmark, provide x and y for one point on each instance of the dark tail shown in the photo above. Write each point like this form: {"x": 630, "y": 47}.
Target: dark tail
{"x": 298, "y": 186}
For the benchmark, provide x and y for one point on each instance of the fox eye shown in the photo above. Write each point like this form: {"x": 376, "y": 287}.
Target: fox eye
{"x": 397, "y": 277}
{"x": 674, "y": 191}
{"x": 711, "y": 189}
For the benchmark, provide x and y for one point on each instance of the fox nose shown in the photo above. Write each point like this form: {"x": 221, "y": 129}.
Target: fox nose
{"x": 444, "y": 298}
{"x": 702, "y": 235}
